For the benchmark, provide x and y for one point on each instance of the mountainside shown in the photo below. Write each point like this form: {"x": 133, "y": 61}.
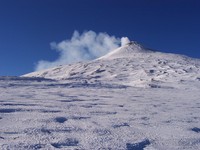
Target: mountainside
{"x": 130, "y": 65}
{"x": 130, "y": 99}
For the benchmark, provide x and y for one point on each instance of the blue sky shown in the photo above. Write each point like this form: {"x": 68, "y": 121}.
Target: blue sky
{"x": 27, "y": 27}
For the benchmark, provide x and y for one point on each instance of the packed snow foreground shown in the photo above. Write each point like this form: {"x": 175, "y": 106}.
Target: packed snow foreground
{"x": 130, "y": 99}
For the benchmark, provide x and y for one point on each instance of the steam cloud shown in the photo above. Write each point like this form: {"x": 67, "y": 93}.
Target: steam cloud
{"x": 124, "y": 41}
{"x": 86, "y": 46}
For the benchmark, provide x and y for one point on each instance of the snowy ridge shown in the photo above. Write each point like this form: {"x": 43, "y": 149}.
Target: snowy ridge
{"x": 126, "y": 51}
{"x": 130, "y": 65}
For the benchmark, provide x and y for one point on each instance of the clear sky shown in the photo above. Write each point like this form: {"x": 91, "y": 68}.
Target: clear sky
{"x": 27, "y": 27}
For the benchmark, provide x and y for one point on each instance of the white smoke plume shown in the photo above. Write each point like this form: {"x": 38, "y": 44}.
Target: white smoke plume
{"x": 124, "y": 41}
{"x": 86, "y": 46}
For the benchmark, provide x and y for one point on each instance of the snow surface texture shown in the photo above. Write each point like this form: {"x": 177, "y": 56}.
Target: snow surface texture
{"x": 130, "y": 99}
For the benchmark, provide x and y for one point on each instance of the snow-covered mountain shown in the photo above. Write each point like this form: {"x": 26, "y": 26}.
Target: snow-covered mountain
{"x": 129, "y": 65}
{"x": 103, "y": 105}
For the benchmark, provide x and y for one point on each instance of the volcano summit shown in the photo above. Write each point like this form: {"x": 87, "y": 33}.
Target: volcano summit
{"x": 130, "y": 65}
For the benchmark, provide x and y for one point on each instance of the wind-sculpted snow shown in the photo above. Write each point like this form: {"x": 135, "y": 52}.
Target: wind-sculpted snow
{"x": 39, "y": 116}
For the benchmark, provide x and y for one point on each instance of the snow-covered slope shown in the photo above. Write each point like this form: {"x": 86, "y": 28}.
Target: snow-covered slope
{"x": 130, "y": 65}
{"x": 102, "y": 105}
